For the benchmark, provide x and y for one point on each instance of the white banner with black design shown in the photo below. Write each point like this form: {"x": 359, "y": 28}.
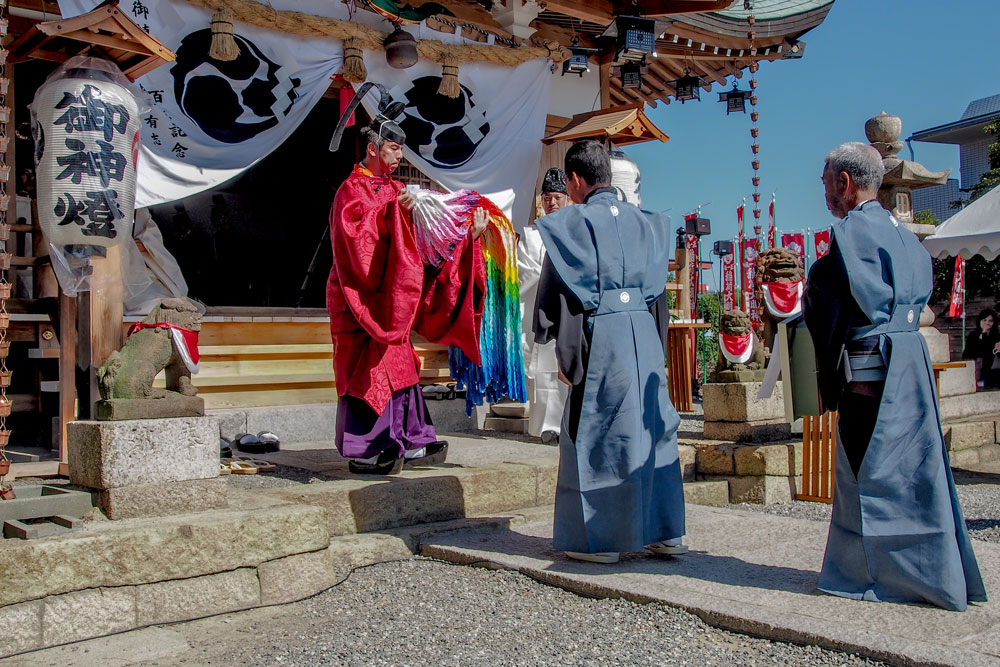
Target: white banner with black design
{"x": 212, "y": 119}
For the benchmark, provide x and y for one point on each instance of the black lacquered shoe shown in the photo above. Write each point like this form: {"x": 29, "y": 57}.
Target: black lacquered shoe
{"x": 434, "y": 454}
{"x": 386, "y": 464}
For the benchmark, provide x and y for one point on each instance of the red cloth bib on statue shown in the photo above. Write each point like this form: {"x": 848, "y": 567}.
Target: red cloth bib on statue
{"x": 783, "y": 299}
{"x": 736, "y": 349}
{"x": 185, "y": 340}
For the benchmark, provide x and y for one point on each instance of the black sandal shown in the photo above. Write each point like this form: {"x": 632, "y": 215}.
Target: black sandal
{"x": 434, "y": 454}
{"x": 386, "y": 464}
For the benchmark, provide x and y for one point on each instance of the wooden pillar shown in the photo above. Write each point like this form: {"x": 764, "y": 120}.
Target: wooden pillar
{"x": 99, "y": 331}
{"x": 67, "y": 368}
{"x": 605, "y": 60}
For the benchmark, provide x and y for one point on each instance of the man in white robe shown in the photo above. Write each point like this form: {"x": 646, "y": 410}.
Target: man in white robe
{"x": 546, "y": 394}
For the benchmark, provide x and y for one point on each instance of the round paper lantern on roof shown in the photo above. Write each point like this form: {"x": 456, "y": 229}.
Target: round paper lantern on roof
{"x": 86, "y": 127}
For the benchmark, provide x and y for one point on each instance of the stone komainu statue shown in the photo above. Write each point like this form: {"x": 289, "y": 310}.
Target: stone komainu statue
{"x": 774, "y": 265}
{"x": 129, "y": 373}
{"x": 737, "y": 323}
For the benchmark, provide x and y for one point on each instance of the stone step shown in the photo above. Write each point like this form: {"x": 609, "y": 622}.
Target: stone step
{"x": 969, "y": 434}
{"x": 965, "y": 458}
{"x": 983, "y": 404}
{"x": 713, "y": 493}
{"x": 419, "y": 496}
{"x": 506, "y": 424}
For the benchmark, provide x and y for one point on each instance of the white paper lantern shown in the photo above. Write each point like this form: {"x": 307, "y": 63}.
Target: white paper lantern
{"x": 625, "y": 176}
{"x": 86, "y": 147}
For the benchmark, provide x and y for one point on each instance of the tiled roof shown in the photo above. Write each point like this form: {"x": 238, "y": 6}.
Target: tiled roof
{"x": 987, "y": 105}
{"x": 765, "y": 10}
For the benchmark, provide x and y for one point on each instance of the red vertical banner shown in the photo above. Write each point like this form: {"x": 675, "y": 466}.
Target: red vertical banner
{"x": 692, "y": 244}
{"x": 729, "y": 281}
{"x": 770, "y": 225}
{"x": 749, "y": 249}
{"x": 821, "y": 241}
{"x": 739, "y": 251}
{"x": 957, "y": 306}
{"x": 796, "y": 243}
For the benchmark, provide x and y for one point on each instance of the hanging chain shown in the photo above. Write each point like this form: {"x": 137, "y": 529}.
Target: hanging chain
{"x": 6, "y": 491}
{"x": 755, "y": 149}
{"x": 754, "y": 146}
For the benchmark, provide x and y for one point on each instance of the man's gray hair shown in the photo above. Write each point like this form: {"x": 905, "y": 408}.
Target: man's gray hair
{"x": 371, "y": 136}
{"x": 861, "y": 161}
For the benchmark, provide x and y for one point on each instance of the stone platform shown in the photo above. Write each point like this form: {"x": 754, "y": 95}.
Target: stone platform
{"x": 757, "y": 574}
{"x": 271, "y": 543}
{"x": 148, "y": 467}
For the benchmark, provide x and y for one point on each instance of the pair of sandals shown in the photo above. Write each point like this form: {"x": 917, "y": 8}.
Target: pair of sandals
{"x": 262, "y": 443}
{"x": 389, "y": 464}
{"x": 244, "y": 465}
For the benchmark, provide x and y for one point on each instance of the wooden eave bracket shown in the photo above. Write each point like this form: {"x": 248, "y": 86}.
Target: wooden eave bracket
{"x": 105, "y": 27}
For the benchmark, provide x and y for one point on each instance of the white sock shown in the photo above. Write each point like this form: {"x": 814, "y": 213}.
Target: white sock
{"x": 415, "y": 453}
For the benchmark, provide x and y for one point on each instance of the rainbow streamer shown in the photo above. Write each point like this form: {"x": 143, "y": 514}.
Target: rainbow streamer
{"x": 439, "y": 226}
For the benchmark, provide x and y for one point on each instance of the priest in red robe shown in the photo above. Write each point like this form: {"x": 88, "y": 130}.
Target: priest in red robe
{"x": 379, "y": 291}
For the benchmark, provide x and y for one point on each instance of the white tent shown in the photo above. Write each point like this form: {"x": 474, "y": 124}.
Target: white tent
{"x": 975, "y": 230}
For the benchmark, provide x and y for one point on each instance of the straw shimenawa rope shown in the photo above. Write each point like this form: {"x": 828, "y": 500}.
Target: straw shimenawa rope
{"x": 357, "y": 36}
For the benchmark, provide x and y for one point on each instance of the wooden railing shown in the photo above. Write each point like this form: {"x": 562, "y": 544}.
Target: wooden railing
{"x": 819, "y": 447}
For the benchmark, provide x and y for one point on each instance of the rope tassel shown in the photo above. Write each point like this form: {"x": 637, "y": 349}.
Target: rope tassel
{"x": 224, "y": 45}
{"x": 449, "y": 77}
{"x": 353, "y": 70}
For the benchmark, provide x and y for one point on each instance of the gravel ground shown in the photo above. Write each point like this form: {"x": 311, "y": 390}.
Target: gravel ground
{"x": 979, "y": 494}
{"x": 425, "y": 612}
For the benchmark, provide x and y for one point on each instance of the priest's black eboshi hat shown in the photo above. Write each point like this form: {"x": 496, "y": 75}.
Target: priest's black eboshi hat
{"x": 554, "y": 181}
{"x": 384, "y": 124}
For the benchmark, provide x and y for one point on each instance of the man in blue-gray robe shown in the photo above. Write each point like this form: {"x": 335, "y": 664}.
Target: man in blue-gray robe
{"x": 897, "y": 532}
{"x": 619, "y": 486}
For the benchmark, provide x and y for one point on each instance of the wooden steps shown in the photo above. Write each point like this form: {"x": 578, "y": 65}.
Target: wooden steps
{"x": 258, "y": 363}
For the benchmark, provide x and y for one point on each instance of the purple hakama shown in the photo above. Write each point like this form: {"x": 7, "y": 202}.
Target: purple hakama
{"x": 404, "y": 425}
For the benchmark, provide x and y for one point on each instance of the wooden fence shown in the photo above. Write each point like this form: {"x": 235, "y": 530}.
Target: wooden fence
{"x": 818, "y": 455}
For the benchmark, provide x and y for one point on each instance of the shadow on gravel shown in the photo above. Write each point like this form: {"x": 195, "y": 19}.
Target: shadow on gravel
{"x": 982, "y": 524}
{"x": 963, "y": 477}
{"x": 726, "y": 570}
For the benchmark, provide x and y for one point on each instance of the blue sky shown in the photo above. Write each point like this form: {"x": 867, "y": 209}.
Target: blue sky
{"x": 920, "y": 60}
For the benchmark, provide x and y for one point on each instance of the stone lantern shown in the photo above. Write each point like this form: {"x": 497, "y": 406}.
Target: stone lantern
{"x": 902, "y": 177}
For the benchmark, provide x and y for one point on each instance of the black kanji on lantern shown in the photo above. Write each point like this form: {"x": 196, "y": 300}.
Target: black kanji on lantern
{"x": 107, "y": 165}
{"x": 86, "y": 112}
{"x": 94, "y": 214}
